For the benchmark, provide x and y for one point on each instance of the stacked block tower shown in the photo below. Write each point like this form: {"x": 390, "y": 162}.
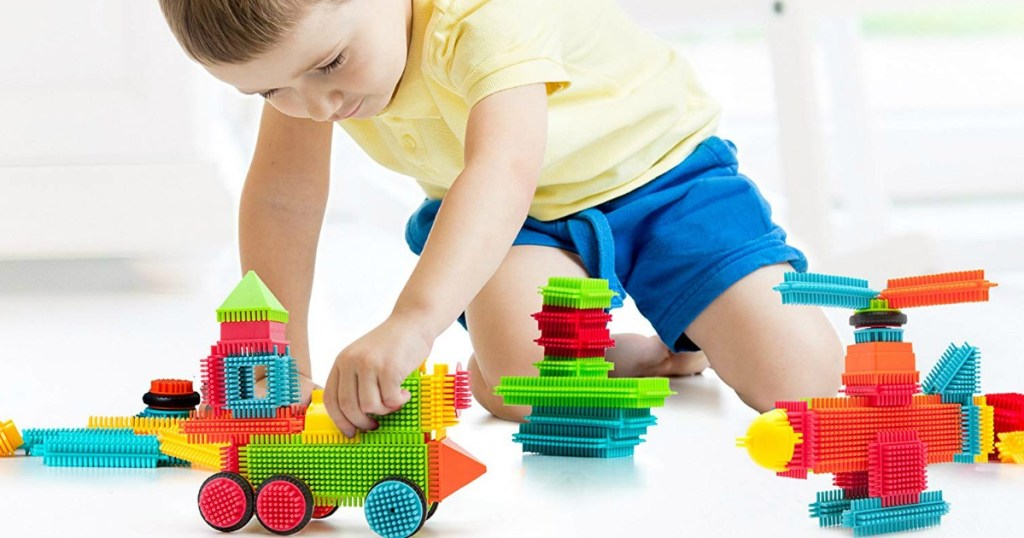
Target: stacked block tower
{"x": 577, "y": 409}
{"x": 252, "y": 336}
{"x": 879, "y": 438}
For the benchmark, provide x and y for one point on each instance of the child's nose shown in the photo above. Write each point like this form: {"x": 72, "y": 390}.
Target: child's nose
{"x": 321, "y": 105}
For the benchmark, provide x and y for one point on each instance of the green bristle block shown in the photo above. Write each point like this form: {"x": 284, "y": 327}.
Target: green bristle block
{"x": 585, "y": 392}
{"x": 407, "y": 418}
{"x": 580, "y": 293}
{"x": 340, "y": 474}
{"x": 590, "y": 367}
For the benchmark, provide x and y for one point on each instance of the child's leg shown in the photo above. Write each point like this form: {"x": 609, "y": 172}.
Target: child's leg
{"x": 767, "y": 351}
{"x": 503, "y": 333}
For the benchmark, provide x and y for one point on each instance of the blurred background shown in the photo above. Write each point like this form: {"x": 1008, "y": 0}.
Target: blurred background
{"x": 887, "y": 135}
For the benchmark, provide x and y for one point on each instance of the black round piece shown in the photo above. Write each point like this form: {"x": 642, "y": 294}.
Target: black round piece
{"x": 879, "y": 318}
{"x": 176, "y": 402}
{"x": 431, "y": 510}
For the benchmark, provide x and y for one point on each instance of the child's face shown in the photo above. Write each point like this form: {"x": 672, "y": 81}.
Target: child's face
{"x": 340, "y": 60}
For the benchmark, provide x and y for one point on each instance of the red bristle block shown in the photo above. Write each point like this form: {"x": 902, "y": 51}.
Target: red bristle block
{"x": 854, "y": 484}
{"x": 241, "y": 348}
{"x": 568, "y": 323}
{"x": 898, "y": 465}
{"x": 252, "y": 330}
{"x": 1009, "y": 411}
{"x": 218, "y": 427}
{"x": 170, "y": 387}
{"x": 944, "y": 288}
{"x": 214, "y": 391}
{"x": 802, "y": 420}
{"x": 463, "y": 396}
{"x": 586, "y": 344}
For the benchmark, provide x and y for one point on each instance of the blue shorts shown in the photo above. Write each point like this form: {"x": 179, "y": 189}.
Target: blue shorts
{"x": 674, "y": 244}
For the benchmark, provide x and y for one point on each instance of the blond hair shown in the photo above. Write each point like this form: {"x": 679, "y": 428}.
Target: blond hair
{"x": 230, "y": 31}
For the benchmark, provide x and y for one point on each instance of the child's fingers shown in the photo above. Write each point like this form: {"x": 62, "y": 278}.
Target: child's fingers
{"x": 348, "y": 401}
{"x": 331, "y": 401}
{"x": 393, "y": 395}
{"x": 369, "y": 396}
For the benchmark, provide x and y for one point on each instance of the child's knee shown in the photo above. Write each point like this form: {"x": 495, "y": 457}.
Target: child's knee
{"x": 483, "y": 392}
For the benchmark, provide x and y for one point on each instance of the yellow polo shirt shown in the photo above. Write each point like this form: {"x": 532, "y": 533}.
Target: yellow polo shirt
{"x": 624, "y": 106}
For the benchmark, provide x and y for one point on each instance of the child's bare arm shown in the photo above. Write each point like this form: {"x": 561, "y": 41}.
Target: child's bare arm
{"x": 280, "y": 217}
{"x": 479, "y": 218}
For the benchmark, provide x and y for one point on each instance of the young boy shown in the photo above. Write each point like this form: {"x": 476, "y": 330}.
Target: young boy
{"x": 551, "y": 139}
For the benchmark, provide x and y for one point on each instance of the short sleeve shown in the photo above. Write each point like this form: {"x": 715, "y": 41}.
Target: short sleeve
{"x": 480, "y": 47}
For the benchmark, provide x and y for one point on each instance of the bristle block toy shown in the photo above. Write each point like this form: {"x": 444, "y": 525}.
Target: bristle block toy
{"x": 878, "y": 334}
{"x": 880, "y": 437}
{"x": 939, "y": 289}
{"x": 577, "y": 293}
{"x": 1011, "y": 447}
{"x": 102, "y": 448}
{"x": 577, "y": 409}
{"x": 10, "y": 438}
{"x": 867, "y": 517}
{"x": 395, "y": 507}
{"x": 825, "y": 290}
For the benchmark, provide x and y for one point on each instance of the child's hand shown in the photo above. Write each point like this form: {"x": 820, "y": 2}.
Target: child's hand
{"x": 367, "y": 375}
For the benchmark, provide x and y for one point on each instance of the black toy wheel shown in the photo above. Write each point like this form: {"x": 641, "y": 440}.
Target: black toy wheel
{"x": 431, "y": 510}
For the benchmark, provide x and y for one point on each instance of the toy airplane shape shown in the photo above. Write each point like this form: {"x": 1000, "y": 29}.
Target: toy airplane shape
{"x": 879, "y": 438}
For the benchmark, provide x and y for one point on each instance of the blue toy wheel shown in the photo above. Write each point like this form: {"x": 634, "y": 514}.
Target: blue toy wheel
{"x": 395, "y": 507}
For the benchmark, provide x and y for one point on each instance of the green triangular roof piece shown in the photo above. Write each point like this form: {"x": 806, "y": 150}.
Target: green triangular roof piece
{"x": 251, "y": 300}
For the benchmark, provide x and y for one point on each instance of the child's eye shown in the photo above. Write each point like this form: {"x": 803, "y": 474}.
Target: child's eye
{"x": 333, "y": 65}
{"x": 268, "y": 94}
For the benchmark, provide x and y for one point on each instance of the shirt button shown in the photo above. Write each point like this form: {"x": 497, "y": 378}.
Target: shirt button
{"x": 409, "y": 142}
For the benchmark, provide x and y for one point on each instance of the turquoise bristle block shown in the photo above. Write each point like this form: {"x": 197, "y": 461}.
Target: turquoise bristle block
{"x": 825, "y": 290}
{"x": 35, "y": 439}
{"x": 578, "y": 431}
{"x": 955, "y": 374}
{"x": 102, "y": 448}
{"x": 829, "y": 507}
{"x": 593, "y": 416}
{"x": 240, "y": 384}
{"x": 878, "y": 334}
{"x": 394, "y": 509}
{"x": 867, "y": 517}
{"x": 578, "y": 448}
{"x": 971, "y": 433}
{"x": 163, "y": 413}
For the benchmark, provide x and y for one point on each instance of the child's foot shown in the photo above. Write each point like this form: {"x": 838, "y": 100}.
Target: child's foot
{"x": 636, "y": 355}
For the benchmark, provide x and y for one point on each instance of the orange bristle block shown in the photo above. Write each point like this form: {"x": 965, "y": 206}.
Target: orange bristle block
{"x": 938, "y": 289}
{"x": 170, "y": 387}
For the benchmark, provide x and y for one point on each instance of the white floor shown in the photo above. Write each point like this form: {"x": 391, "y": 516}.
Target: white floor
{"x": 76, "y": 344}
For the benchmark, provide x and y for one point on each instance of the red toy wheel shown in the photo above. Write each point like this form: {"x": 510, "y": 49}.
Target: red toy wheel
{"x": 226, "y": 502}
{"x": 284, "y": 504}
{"x": 321, "y": 512}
